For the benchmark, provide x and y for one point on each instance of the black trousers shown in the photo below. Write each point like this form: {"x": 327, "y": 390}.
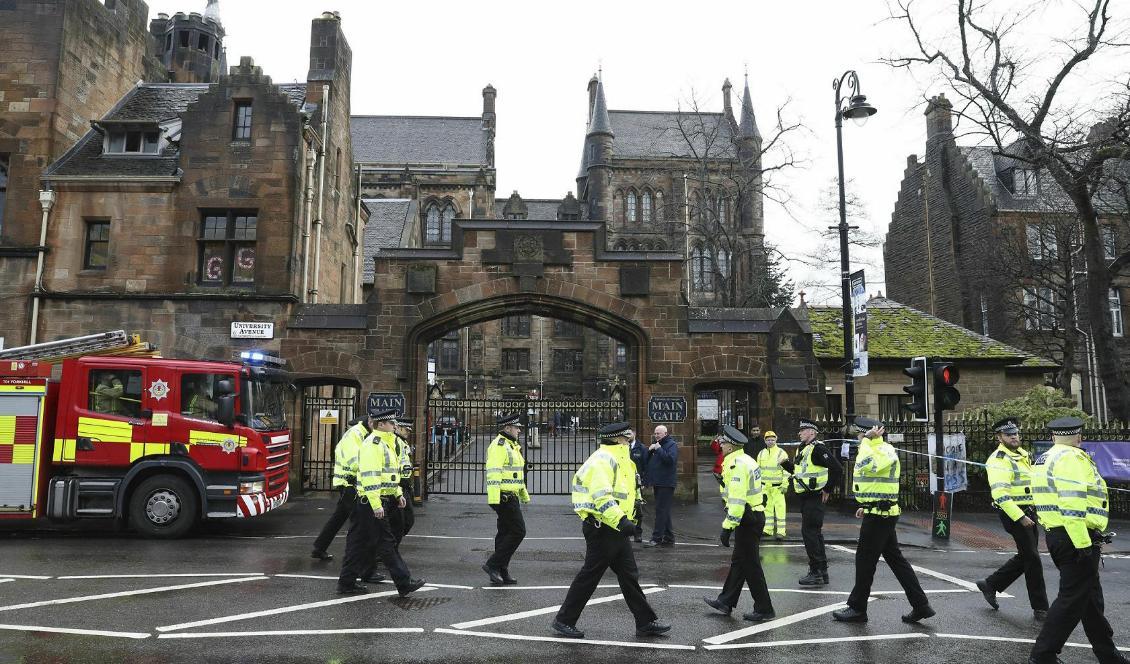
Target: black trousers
{"x": 401, "y": 519}
{"x": 511, "y": 531}
{"x": 812, "y": 529}
{"x": 606, "y": 548}
{"x": 1026, "y": 562}
{"x": 1080, "y": 598}
{"x": 664, "y": 498}
{"x": 745, "y": 565}
{"x": 877, "y": 538}
{"x": 639, "y": 515}
{"x": 371, "y": 538}
{"x": 346, "y": 497}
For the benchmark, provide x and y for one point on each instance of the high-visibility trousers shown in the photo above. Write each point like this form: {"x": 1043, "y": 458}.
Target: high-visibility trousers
{"x": 775, "y": 510}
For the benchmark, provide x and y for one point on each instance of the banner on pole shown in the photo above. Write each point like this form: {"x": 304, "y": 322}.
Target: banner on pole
{"x": 859, "y": 316}
{"x": 955, "y": 469}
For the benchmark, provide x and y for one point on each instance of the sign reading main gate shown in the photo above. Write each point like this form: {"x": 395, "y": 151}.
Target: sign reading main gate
{"x": 386, "y": 400}
{"x": 663, "y": 410}
{"x": 557, "y": 437}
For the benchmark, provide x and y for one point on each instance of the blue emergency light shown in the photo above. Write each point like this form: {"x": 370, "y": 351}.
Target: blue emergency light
{"x": 258, "y": 357}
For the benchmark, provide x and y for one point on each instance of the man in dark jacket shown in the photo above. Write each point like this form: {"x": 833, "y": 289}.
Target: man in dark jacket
{"x": 662, "y": 470}
{"x": 638, "y": 452}
{"x": 756, "y": 442}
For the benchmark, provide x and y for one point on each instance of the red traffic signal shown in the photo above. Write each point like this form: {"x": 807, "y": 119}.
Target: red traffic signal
{"x": 946, "y": 396}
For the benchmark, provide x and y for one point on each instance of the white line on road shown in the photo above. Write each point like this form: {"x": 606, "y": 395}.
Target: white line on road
{"x": 1009, "y": 639}
{"x": 436, "y": 585}
{"x": 803, "y": 642}
{"x": 774, "y": 624}
{"x": 539, "y": 612}
{"x": 968, "y": 585}
{"x": 6, "y": 580}
{"x": 821, "y": 592}
{"x": 24, "y": 576}
{"x": 128, "y": 593}
{"x": 296, "y": 632}
{"x": 603, "y": 585}
{"x": 554, "y": 639}
{"x": 157, "y": 576}
{"x": 68, "y": 630}
{"x": 283, "y": 609}
{"x": 305, "y": 576}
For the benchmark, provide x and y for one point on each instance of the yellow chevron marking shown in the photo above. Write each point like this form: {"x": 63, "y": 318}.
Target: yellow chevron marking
{"x": 7, "y": 429}
{"x": 23, "y": 453}
{"x": 105, "y": 431}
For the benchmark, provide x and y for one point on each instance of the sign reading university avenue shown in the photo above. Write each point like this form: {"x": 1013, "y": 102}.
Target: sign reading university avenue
{"x": 384, "y": 400}
{"x": 667, "y": 409}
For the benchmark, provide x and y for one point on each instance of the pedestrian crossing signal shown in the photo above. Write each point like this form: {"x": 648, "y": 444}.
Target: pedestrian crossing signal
{"x": 946, "y": 396}
{"x": 918, "y": 390}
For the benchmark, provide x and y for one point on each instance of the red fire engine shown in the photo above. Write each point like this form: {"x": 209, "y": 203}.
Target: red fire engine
{"x": 159, "y": 443}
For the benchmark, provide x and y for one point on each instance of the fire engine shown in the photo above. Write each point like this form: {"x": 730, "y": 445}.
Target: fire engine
{"x": 121, "y": 434}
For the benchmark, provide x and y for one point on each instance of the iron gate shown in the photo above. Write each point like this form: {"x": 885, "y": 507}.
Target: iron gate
{"x": 327, "y": 412}
{"x": 557, "y": 438}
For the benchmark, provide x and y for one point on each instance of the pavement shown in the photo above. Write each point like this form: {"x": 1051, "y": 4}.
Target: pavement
{"x": 247, "y": 591}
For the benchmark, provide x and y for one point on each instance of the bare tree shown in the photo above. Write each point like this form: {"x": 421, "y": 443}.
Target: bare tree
{"x": 1039, "y": 123}
{"x": 825, "y": 272}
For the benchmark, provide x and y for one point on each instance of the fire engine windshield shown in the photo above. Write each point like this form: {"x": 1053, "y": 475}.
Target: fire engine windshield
{"x": 265, "y": 404}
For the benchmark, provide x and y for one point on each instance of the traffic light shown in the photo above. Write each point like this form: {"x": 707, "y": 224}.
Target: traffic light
{"x": 919, "y": 390}
{"x": 946, "y": 396}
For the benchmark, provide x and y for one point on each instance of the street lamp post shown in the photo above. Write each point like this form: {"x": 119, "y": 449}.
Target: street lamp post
{"x": 858, "y": 110}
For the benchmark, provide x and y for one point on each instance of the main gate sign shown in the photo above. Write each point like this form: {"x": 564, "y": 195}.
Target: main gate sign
{"x": 384, "y": 400}
{"x": 663, "y": 410}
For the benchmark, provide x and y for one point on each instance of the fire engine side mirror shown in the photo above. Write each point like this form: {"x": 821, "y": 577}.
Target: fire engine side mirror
{"x": 225, "y": 409}
{"x": 224, "y": 386}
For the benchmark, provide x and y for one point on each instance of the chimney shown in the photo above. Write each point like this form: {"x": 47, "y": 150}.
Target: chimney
{"x": 727, "y": 108}
{"x": 939, "y": 117}
{"x": 489, "y": 95}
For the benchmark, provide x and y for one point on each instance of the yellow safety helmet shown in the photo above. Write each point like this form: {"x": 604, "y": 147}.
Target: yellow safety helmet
{"x": 770, "y": 434}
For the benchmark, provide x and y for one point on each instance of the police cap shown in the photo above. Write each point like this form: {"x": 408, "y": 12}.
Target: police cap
{"x": 405, "y": 422}
{"x": 1007, "y": 425}
{"x": 733, "y": 436}
{"x": 1066, "y": 426}
{"x": 614, "y": 430}
{"x": 382, "y": 414}
{"x": 807, "y": 424}
{"x": 509, "y": 420}
{"x": 866, "y": 423}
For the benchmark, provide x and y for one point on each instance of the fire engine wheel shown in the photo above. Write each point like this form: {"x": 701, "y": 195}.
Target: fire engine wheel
{"x": 163, "y": 506}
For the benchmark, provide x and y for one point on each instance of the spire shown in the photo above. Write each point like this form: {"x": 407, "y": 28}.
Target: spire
{"x": 747, "y": 128}
{"x": 599, "y": 123}
{"x": 584, "y": 172}
{"x": 212, "y": 12}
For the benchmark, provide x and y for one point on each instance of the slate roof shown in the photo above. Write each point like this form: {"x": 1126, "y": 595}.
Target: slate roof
{"x": 898, "y": 332}
{"x": 537, "y": 209}
{"x": 656, "y": 134}
{"x": 148, "y": 103}
{"x": 401, "y": 139}
{"x": 387, "y": 219}
{"x": 993, "y": 170}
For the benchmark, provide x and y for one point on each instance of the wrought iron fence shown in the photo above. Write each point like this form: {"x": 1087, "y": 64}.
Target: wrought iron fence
{"x": 912, "y": 441}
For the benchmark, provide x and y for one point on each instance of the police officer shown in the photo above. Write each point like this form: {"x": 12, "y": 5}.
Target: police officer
{"x": 817, "y": 472}
{"x": 877, "y": 491}
{"x": 506, "y": 491}
{"x": 604, "y": 496}
{"x": 1072, "y": 503}
{"x": 745, "y": 519}
{"x": 403, "y": 519}
{"x": 1010, "y": 481}
{"x": 378, "y": 492}
{"x": 345, "y": 482}
{"x": 775, "y": 467}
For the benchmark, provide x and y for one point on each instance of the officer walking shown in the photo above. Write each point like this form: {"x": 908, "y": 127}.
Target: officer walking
{"x": 405, "y": 518}
{"x": 506, "y": 491}
{"x": 604, "y": 496}
{"x": 775, "y": 466}
{"x": 817, "y": 472}
{"x": 1072, "y": 503}
{"x": 345, "y": 482}
{"x": 745, "y": 519}
{"x": 1010, "y": 481}
{"x": 639, "y": 457}
{"x": 877, "y": 490}
{"x": 378, "y": 493}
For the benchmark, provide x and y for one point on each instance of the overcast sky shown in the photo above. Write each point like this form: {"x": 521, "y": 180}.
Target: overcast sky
{"x": 434, "y": 58}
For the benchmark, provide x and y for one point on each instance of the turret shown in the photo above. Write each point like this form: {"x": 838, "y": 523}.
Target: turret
{"x": 748, "y": 143}
{"x": 191, "y": 46}
{"x": 598, "y": 157}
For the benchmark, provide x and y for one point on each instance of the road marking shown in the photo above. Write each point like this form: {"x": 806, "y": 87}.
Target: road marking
{"x": 68, "y": 630}
{"x": 156, "y": 576}
{"x": 305, "y": 576}
{"x": 6, "y": 580}
{"x": 603, "y": 585}
{"x": 436, "y": 585}
{"x": 128, "y": 593}
{"x": 296, "y": 632}
{"x": 937, "y": 575}
{"x": 695, "y": 544}
{"x": 24, "y": 576}
{"x": 802, "y": 642}
{"x": 540, "y": 612}
{"x": 283, "y": 609}
{"x": 774, "y": 624}
{"x": 822, "y": 592}
{"x": 1010, "y": 639}
{"x": 558, "y": 639}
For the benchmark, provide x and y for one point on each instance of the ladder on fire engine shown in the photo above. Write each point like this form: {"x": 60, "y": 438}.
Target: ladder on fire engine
{"x": 116, "y": 343}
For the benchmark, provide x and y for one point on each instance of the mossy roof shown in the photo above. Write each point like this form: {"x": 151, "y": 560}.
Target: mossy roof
{"x": 898, "y": 332}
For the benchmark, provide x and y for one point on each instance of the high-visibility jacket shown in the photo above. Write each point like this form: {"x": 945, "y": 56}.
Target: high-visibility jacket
{"x": 404, "y": 455}
{"x": 1010, "y": 480}
{"x": 770, "y": 460}
{"x": 809, "y": 476}
{"x": 604, "y": 487}
{"x": 877, "y": 477}
{"x": 505, "y": 470}
{"x": 378, "y": 472}
{"x": 345, "y": 455}
{"x": 1070, "y": 493}
{"x": 742, "y": 489}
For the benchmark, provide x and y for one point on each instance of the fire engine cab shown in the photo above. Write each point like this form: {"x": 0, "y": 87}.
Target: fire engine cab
{"x": 120, "y": 435}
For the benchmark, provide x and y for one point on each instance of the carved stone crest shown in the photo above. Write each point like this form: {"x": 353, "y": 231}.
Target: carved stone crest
{"x": 528, "y": 249}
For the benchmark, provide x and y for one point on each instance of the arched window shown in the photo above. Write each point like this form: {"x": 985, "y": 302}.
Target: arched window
{"x": 630, "y": 208}
{"x": 646, "y": 215}
{"x": 702, "y": 274}
{"x": 621, "y": 245}
{"x": 437, "y": 223}
{"x": 723, "y": 210}
{"x": 659, "y": 214}
{"x": 448, "y": 215}
{"x": 696, "y": 206}
{"x": 723, "y": 264}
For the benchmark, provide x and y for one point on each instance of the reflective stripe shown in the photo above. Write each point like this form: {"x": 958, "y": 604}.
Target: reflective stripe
{"x": 1097, "y": 510}
{"x": 1000, "y": 485}
{"x": 1072, "y": 494}
{"x": 1075, "y": 513}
